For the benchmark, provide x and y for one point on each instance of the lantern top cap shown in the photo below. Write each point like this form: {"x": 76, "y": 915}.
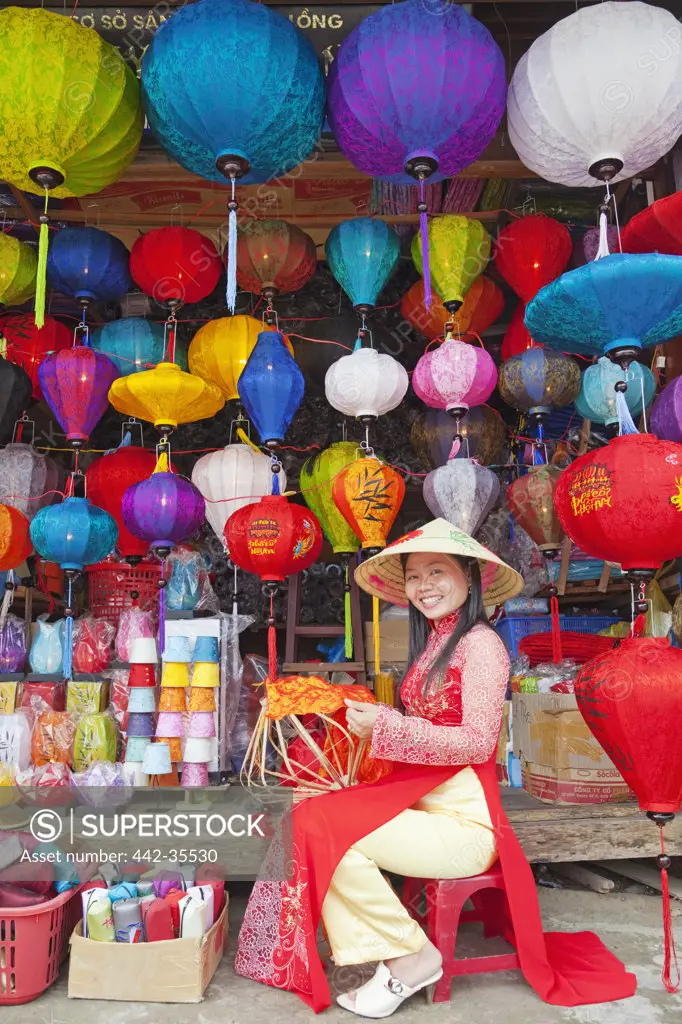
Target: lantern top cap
{"x": 383, "y": 576}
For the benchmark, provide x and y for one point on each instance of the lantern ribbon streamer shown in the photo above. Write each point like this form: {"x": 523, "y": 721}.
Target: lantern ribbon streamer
{"x": 557, "y": 652}
{"x": 424, "y": 229}
{"x": 376, "y": 637}
{"x": 245, "y": 439}
{"x": 626, "y": 424}
{"x": 231, "y": 295}
{"x": 68, "y": 636}
{"x": 670, "y": 951}
{"x": 41, "y": 273}
{"x": 347, "y": 621}
{"x": 162, "y": 609}
{"x": 603, "y": 248}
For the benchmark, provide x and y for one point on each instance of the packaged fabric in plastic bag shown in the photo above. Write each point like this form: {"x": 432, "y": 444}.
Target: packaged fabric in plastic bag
{"x": 104, "y": 784}
{"x": 189, "y": 587}
{"x": 95, "y": 739}
{"x": 50, "y": 784}
{"x": 134, "y": 623}
{"x": 52, "y": 739}
{"x": 13, "y": 645}
{"x": 92, "y": 640}
{"x": 118, "y": 696}
{"x": 15, "y": 740}
{"x": 47, "y": 651}
{"x": 9, "y": 794}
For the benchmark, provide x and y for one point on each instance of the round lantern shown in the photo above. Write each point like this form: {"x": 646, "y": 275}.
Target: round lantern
{"x": 531, "y": 500}
{"x": 317, "y": 482}
{"x": 88, "y": 264}
{"x": 175, "y": 265}
{"x": 531, "y": 251}
{"x": 18, "y": 266}
{"x": 16, "y": 394}
{"x": 362, "y": 254}
{"x": 270, "y": 117}
{"x": 163, "y": 510}
{"x": 134, "y": 344}
{"x": 481, "y": 307}
{"x": 368, "y": 494}
{"x": 454, "y": 377}
{"x": 416, "y": 90}
{"x": 75, "y": 383}
{"x": 15, "y": 541}
{"x": 666, "y": 415}
{"x": 597, "y": 398}
{"x": 273, "y": 538}
{"x": 538, "y": 380}
{"x": 274, "y": 257}
{"x": 165, "y": 396}
{"x": 365, "y": 384}
{"x": 463, "y": 492}
{"x": 74, "y": 533}
{"x": 28, "y": 345}
{"x": 633, "y": 119}
{"x": 623, "y": 503}
{"x": 325, "y": 341}
{"x": 219, "y": 350}
{"x": 481, "y": 436}
{"x": 29, "y": 480}
{"x": 230, "y": 479}
{"x": 459, "y": 251}
{"x": 271, "y": 387}
{"x": 108, "y": 478}
{"x": 516, "y": 338}
{"x": 656, "y": 229}
{"x": 615, "y": 306}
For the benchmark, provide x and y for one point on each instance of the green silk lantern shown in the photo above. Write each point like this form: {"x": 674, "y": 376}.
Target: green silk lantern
{"x": 18, "y": 265}
{"x": 70, "y": 112}
{"x": 459, "y": 251}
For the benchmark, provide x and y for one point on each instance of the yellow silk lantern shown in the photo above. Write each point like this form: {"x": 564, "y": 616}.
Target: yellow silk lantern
{"x": 165, "y": 396}
{"x": 459, "y": 251}
{"x": 18, "y": 265}
{"x": 220, "y": 349}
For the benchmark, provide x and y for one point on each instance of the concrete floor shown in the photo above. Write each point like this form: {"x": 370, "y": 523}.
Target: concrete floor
{"x": 629, "y": 924}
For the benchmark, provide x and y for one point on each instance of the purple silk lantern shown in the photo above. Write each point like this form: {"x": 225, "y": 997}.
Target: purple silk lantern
{"x": 455, "y": 377}
{"x": 591, "y": 242}
{"x": 75, "y": 383}
{"x": 666, "y": 415}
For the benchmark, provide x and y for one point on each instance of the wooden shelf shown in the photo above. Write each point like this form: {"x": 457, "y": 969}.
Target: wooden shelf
{"x": 315, "y": 667}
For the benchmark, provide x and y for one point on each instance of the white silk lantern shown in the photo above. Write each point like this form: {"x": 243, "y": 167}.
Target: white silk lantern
{"x": 463, "y": 492}
{"x": 599, "y": 95}
{"x": 365, "y": 384}
{"x": 231, "y": 478}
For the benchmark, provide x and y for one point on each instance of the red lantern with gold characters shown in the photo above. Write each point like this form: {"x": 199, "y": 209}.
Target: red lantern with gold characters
{"x": 273, "y": 538}
{"x": 531, "y": 501}
{"x": 15, "y": 540}
{"x": 368, "y": 493}
{"x": 623, "y": 502}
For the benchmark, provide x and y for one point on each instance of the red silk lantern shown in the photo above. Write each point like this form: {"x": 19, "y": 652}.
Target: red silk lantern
{"x": 368, "y": 493}
{"x": 273, "y": 538}
{"x": 27, "y": 345}
{"x": 656, "y": 229}
{"x": 531, "y": 501}
{"x": 531, "y": 252}
{"x": 175, "y": 265}
{"x": 516, "y": 338}
{"x": 623, "y": 503}
{"x": 274, "y": 257}
{"x": 482, "y": 305}
{"x": 108, "y": 478}
{"x": 15, "y": 540}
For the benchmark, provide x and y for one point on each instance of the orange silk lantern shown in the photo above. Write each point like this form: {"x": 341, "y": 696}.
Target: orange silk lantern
{"x": 531, "y": 500}
{"x": 482, "y": 305}
{"x": 15, "y": 540}
{"x": 274, "y": 257}
{"x": 368, "y": 493}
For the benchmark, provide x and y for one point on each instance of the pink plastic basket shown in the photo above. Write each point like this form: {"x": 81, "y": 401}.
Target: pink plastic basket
{"x": 33, "y": 943}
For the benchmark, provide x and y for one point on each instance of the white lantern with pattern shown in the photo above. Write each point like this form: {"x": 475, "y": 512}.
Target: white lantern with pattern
{"x": 365, "y": 384}
{"x": 231, "y": 478}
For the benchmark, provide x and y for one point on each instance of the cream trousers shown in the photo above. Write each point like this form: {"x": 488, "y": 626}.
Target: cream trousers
{"x": 447, "y": 834}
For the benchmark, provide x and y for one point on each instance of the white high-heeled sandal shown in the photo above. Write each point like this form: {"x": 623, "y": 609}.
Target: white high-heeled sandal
{"x": 383, "y": 994}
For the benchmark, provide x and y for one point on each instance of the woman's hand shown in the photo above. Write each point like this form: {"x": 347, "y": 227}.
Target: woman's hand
{"x": 361, "y": 718}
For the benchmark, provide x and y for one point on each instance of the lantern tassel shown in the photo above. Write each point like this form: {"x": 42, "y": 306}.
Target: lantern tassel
{"x": 347, "y": 620}
{"x": 376, "y": 637}
{"x": 231, "y": 295}
{"x": 626, "y": 424}
{"x": 424, "y": 230}
{"x": 68, "y": 637}
{"x": 41, "y": 273}
{"x": 162, "y": 609}
{"x": 272, "y": 642}
{"x": 7, "y": 599}
{"x": 670, "y": 953}
{"x": 603, "y": 248}
{"x": 557, "y": 651}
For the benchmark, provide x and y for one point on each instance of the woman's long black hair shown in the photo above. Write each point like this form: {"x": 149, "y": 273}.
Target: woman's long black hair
{"x": 472, "y": 612}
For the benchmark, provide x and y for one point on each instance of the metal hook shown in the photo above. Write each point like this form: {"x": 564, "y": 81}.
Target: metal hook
{"x": 129, "y": 425}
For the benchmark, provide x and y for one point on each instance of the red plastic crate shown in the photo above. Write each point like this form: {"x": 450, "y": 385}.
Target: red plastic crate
{"x": 110, "y": 585}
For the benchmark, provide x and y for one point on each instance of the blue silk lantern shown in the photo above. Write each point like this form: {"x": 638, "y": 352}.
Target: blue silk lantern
{"x": 134, "y": 344}
{"x": 271, "y": 387}
{"x": 73, "y": 534}
{"x": 597, "y": 398}
{"x": 88, "y": 264}
{"x": 362, "y": 254}
{"x": 614, "y": 306}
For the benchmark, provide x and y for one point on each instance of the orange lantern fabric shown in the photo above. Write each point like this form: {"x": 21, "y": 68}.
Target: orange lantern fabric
{"x": 273, "y": 538}
{"x": 173, "y": 698}
{"x": 517, "y": 339}
{"x": 52, "y": 740}
{"x": 27, "y": 345}
{"x": 274, "y": 257}
{"x": 531, "y": 500}
{"x": 368, "y": 493}
{"x": 201, "y": 698}
{"x": 482, "y": 305}
{"x": 15, "y": 540}
{"x": 531, "y": 252}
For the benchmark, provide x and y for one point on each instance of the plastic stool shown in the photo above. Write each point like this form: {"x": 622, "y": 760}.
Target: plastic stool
{"x": 445, "y": 899}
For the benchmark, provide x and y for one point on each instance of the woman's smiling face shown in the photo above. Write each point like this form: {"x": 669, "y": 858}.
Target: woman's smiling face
{"x": 435, "y": 584}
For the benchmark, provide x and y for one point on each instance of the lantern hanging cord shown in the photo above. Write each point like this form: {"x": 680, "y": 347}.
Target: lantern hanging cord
{"x": 424, "y": 231}
{"x": 68, "y": 633}
{"x": 671, "y": 984}
{"x": 603, "y": 247}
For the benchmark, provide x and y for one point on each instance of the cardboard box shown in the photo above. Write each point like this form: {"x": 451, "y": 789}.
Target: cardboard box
{"x": 177, "y": 971}
{"x": 561, "y": 761}
{"x": 394, "y": 637}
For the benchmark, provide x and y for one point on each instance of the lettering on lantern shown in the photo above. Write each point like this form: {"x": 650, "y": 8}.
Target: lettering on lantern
{"x": 262, "y": 536}
{"x": 590, "y": 489}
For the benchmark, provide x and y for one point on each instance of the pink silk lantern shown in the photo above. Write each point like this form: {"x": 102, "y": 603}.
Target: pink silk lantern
{"x": 455, "y": 377}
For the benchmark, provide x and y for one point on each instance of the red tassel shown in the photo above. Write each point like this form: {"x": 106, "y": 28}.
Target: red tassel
{"x": 272, "y": 643}
{"x": 669, "y": 937}
{"x": 639, "y": 625}
{"x": 557, "y": 652}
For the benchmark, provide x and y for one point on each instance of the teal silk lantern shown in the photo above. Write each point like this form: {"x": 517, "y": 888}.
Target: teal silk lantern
{"x": 134, "y": 344}
{"x": 362, "y": 254}
{"x": 597, "y": 398}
